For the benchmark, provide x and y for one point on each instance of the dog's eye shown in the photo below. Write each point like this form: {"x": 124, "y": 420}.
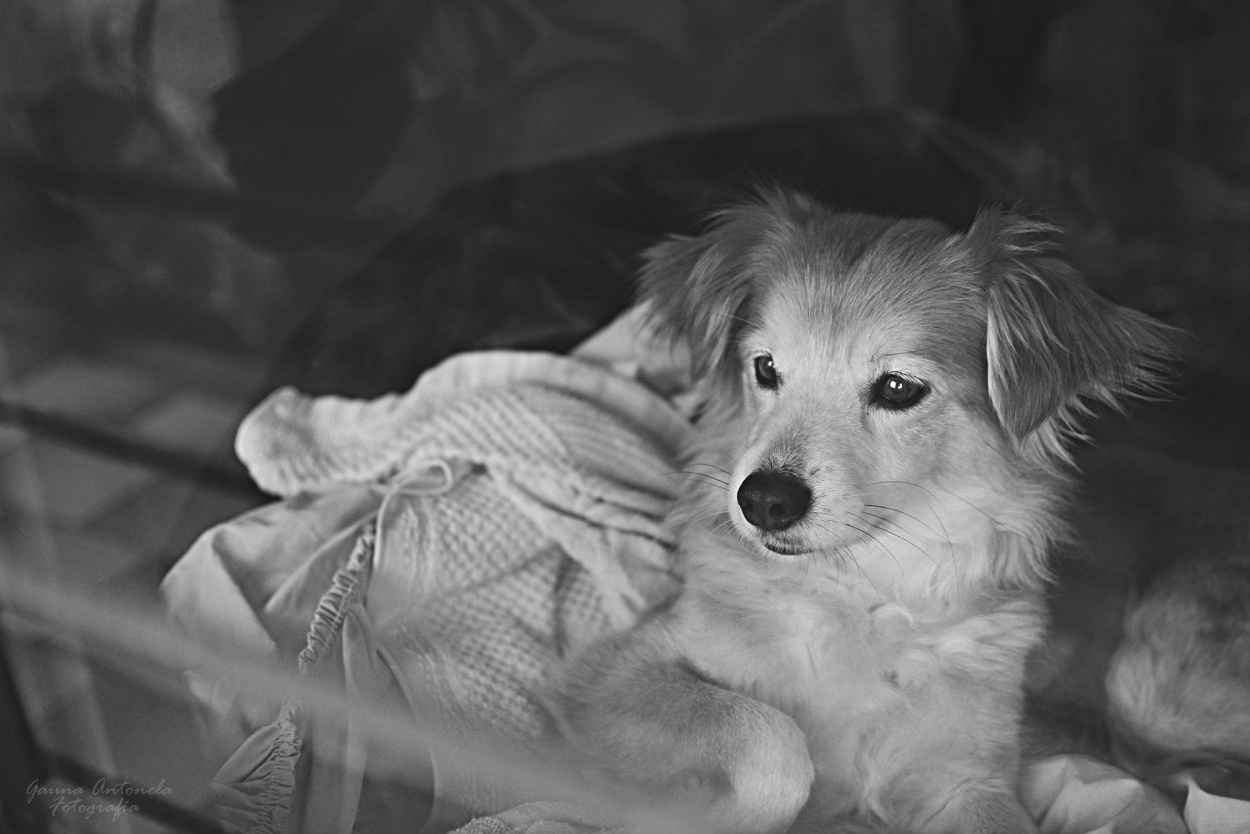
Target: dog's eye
{"x": 766, "y": 372}
{"x": 897, "y": 392}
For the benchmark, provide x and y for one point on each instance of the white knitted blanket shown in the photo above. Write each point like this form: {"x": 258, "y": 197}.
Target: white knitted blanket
{"x": 512, "y": 507}
{"x": 491, "y": 458}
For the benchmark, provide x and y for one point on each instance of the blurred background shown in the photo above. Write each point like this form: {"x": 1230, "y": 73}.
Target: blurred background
{"x": 201, "y": 200}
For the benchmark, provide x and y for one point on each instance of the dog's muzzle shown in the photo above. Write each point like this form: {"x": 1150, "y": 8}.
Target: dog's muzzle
{"x": 773, "y": 500}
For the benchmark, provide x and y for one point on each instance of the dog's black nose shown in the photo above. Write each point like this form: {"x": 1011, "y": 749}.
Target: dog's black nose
{"x": 773, "y": 500}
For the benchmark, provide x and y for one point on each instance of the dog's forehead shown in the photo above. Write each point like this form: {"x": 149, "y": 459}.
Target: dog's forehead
{"x": 891, "y": 286}
{"x": 833, "y": 338}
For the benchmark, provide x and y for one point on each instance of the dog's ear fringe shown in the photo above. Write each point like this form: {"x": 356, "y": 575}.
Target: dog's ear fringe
{"x": 694, "y": 297}
{"x": 696, "y": 285}
{"x": 1054, "y": 348}
{"x": 697, "y": 289}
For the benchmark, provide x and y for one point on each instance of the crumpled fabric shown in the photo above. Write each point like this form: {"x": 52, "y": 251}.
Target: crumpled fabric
{"x": 255, "y": 788}
{"x": 546, "y": 817}
{"x": 452, "y": 542}
{"x": 1071, "y": 794}
{"x": 1208, "y": 813}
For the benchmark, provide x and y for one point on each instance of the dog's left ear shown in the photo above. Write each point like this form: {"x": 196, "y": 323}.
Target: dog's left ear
{"x": 1052, "y": 344}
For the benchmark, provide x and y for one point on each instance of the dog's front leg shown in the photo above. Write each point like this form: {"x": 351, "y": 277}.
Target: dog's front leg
{"x": 640, "y": 713}
{"x": 960, "y": 743}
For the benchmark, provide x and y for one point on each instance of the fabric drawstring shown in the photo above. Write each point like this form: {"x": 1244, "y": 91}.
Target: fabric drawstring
{"x": 260, "y": 802}
{"x": 334, "y": 794}
{"x": 346, "y": 588}
{"x": 427, "y": 477}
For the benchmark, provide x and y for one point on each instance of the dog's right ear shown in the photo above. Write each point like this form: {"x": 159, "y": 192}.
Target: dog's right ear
{"x": 698, "y": 289}
{"x": 1053, "y": 346}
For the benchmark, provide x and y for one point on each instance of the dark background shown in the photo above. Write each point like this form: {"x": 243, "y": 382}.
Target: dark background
{"x": 200, "y": 201}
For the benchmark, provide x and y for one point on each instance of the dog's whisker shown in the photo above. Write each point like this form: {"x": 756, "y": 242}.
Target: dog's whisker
{"x": 711, "y": 514}
{"x": 939, "y": 501}
{"x": 828, "y": 559}
{"x": 720, "y": 469}
{"x": 893, "y": 528}
{"x": 807, "y": 569}
{"x": 851, "y": 556}
{"x": 706, "y": 475}
{"x": 701, "y": 478}
{"x": 881, "y": 545}
{"x": 726, "y": 524}
{"x": 882, "y": 520}
{"x": 950, "y": 546}
{"x": 694, "y": 478}
{"x": 699, "y": 474}
{"x": 870, "y": 537}
{"x": 903, "y": 513}
{"x": 938, "y": 518}
{"x": 923, "y": 489}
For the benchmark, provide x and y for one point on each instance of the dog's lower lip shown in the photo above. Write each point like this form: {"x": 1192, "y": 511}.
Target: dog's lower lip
{"x": 783, "y": 551}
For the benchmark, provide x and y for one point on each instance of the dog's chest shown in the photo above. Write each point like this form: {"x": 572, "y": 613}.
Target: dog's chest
{"x": 827, "y": 658}
{"x": 811, "y": 652}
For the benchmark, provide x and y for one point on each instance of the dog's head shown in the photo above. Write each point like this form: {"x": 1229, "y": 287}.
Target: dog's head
{"x": 866, "y": 372}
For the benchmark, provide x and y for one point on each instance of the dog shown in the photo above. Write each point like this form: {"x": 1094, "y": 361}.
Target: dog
{"x": 881, "y": 469}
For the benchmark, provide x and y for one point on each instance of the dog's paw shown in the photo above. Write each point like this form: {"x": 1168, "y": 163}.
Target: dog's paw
{"x": 771, "y": 773}
{"x": 982, "y": 812}
{"x": 724, "y": 762}
{"x": 749, "y": 772}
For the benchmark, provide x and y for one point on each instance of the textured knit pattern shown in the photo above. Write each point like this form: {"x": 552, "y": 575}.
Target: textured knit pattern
{"x": 521, "y": 500}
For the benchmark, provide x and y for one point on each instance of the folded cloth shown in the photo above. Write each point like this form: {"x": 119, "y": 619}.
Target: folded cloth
{"x": 541, "y": 818}
{"x": 578, "y": 453}
{"x": 1071, "y": 794}
{"x": 509, "y": 507}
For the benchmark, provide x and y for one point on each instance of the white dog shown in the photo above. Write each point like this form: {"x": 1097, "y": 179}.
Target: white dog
{"x": 882, "y": 465}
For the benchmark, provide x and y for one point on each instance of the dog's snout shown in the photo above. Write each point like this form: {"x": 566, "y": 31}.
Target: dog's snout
{"x": 773, "y": 500}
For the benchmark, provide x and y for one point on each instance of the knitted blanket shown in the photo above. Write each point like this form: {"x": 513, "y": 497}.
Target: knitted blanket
{"x": 451, "y": 542}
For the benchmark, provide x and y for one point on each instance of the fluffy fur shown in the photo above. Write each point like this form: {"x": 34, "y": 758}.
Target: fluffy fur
{"x": 863, "y": 575}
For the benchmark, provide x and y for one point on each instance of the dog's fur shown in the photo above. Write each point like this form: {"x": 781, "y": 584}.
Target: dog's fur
{"x": 849, "y": 647}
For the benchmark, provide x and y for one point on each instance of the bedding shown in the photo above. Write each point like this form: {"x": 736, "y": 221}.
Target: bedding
{"x": 432, "y": 550}
{"x": 447, "y": 543}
